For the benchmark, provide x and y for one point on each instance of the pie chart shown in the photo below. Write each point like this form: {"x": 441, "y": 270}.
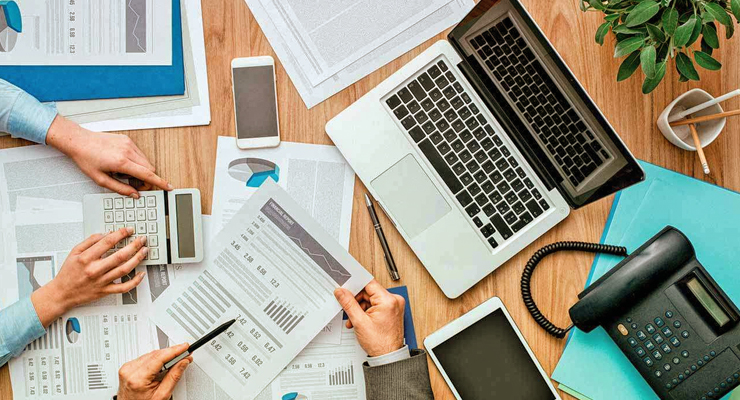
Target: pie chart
{"x": 11, "y": 25}
{"x": 72, "y": 330}
{"x": 253, "y": 171}
{"x": 294, "y": 396}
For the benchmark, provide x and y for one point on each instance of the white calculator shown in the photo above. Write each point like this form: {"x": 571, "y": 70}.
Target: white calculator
{"x": 171, "y": 221}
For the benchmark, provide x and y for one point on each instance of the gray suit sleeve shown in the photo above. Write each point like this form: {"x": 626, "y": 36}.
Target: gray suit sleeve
{"x": 402, "y": 380}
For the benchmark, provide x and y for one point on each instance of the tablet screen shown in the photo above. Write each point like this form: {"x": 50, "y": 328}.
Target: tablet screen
{"x": 488, "y": 361}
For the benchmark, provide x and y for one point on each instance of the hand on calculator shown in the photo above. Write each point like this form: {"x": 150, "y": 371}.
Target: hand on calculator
{"x": 86, "y": 276}
{"x": 100, "y": 154}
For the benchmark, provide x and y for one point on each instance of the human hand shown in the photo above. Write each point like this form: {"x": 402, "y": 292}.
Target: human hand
{"x": 100, "y": 154}
{"x": 377, "y": 316}
{"x": 86, "y": 277}
{"x": 138, "y": 379}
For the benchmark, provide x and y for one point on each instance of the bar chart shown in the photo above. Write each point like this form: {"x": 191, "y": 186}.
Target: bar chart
{"x": 343, "y": 375}
{"x": 284, "y": 315}
{"x": 96, "y": 377}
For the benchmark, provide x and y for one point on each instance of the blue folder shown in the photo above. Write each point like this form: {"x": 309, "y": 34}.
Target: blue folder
{"x": 409, "y": 333}
{"x": 592, "y": 364}
{"x": 63, "y": 83}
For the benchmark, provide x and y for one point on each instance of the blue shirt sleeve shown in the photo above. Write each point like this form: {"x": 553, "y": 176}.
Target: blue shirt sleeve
{"x": 19, "y": 326}
{"x": 23, "y": 116}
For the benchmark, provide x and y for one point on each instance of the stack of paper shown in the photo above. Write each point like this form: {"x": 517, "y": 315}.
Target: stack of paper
{"x": 592, "y": 365}
{"x": 328, "y": 45}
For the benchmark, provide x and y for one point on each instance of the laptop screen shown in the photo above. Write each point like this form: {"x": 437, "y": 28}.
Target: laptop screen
{"x": 541, "y": 105}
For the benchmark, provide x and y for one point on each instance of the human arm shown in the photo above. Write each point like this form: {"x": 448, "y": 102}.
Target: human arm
{"x": 97, "y": 154}
{"x": 392, "y": 371}
{"x": 83, "y": 278}
{"x": 139, "y": 379}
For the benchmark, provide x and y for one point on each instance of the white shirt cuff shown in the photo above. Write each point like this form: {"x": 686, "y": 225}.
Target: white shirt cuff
{"x": 399, "y": 355}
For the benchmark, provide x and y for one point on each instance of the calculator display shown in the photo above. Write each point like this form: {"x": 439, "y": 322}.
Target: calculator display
{"x": 707, "y": 301}
{"x": 185, "y": 226}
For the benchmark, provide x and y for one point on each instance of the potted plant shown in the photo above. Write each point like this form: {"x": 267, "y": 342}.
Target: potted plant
{"x": 650, "y": 32}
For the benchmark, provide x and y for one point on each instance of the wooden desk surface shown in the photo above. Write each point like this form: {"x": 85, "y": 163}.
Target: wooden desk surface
{"x": 186, "y": 157}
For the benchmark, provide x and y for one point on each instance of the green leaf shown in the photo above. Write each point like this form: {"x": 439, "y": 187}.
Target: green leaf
{"x": 718, "y": 13}
{"x": 651, "y": 83}
{"x": 642, "y": 13}
{"x": 705, "y": 47}
{"x": 683, "y": 32}
{"x": 647, "y": 60}
{"x": 626, "y": 30}
{"x": 670, "y": 21}
{"x": 655, "y": 33}
{"x": 694, "y": 34}
{"x": 629, "y": 66}
{"x": 735, "y": 5}
{"x": 686, "y": 67}
{"x": 628, "y": 45}
{"x": 729, "y": 31}
{"x": 706, "y": 61}
{"x": 611, "y": 17}
{"x": 601, "y": 33}
{"x": 710, "y": 36}
{"x": 597, "y": 4}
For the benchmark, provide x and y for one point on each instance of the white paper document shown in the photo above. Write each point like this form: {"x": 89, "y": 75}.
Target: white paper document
{"x": 304, "y": 65}
{"x": 325, "y": 371}
{"x": 274, "y": 270}
{"x": 90, "y": 32}
{"x": 315, "y": 176}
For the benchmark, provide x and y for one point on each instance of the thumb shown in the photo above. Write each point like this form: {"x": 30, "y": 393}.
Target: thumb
{"x": 167, "y": 386}
{"x": 350, "y": 305}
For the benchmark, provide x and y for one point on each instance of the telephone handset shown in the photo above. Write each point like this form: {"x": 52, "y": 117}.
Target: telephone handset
{"x": 666, "y": 314}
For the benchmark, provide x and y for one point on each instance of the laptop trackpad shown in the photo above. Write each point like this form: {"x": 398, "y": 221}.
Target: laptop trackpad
{"x": 409, "y": 194}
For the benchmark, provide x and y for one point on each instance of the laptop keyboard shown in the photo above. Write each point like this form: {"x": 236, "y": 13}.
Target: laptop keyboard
{"x": 532, "y": 90}
{"x": 473, "y": 161}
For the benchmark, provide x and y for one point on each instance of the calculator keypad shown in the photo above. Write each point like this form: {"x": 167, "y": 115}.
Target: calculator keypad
{"x": 142, "y": 214}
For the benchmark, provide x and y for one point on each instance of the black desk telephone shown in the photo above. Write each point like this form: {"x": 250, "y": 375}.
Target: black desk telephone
{"x": 666, "y": 314}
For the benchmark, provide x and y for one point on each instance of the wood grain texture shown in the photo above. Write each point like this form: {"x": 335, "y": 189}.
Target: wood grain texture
{"x": 186, "y": 157}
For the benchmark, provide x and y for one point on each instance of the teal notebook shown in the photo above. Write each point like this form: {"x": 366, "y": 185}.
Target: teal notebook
{"x": 592, "y": 364}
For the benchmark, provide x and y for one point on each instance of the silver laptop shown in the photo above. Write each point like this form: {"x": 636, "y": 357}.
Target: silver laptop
{"x": 482, "y": 144}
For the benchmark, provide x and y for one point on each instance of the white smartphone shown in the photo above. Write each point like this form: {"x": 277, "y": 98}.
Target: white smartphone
{"x": 255, "y": 102}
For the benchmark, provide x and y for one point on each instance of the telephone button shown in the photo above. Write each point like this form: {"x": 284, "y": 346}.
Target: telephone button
{"x": 675, "y": 342}
{"x": 736, "y": 375}
{"x": 659, "y": 322}
{"x": 632, "y": 342}
{"x": 666, "y": 348}
{"x": 676, "y": 324}
{"x": 667, "y": 332}
{"x": 712, "y": 353}
{"x": 694, "y": 367}
{"x": 640, "y": 351}
{"x": 633, "y": 326}
{"x": 649, "y": 345}
{"x": 706, "y": 358}
{"x": 669, "y": 314}
{"x": 658, "y": 339}
{"x": 650, "y": 329}
{"x": 685, "y": 334}
{"x": 622, "y": 329}
{"x": 641, "y": 335}
{"x": 667, "y": 367}
{"x": 648, "y": 361}
{"x": 676, "y": 360}
{"x": 700, "y": 363}
{"x": 658, "y": 373}
{"x": 681, "y": 377}
{"x": 685, "y": 354}
{"x": 657, "y": 355}
{"x": 629, "y": 320}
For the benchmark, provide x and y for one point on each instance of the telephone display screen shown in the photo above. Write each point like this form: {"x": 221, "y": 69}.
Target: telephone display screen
{"x": 185, "y": 226}
{"x": 707, "y": 301}
{"x": 488, "y": 361}
{"x": 254, "y": 96}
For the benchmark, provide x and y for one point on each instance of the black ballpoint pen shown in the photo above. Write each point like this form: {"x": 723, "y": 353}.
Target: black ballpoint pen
{"x": 198, "y": 343}
{"x": 392, "y": 270}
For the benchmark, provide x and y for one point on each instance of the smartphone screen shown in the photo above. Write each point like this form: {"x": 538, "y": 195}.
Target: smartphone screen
{"x": 256, "y": 108}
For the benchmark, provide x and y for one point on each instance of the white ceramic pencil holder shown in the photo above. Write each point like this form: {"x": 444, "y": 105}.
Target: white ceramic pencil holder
{"x": 681, "y": 135}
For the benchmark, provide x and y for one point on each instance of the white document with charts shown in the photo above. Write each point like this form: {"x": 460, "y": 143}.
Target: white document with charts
{"x": 274, "y": 269}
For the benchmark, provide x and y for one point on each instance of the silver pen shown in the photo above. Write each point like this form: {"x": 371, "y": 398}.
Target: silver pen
{"x": 392, "y": 270}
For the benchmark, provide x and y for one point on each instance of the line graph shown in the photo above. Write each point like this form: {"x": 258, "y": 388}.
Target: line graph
{"x": 329, "y": 269}
{"x": 136, "y": 26}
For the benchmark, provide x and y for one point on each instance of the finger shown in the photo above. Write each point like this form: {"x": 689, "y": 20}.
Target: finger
{"x": 125, "y": 287}
{"x": 119, "y": 271}
{"x": 121, "y": 256}
{"x": 137, "y": 171}
{"x": 167, "y": 386}
{"x": 139, "y": 158}
{"x": 362, "y": 296}
{"x": 374, "y": 287}
{"x": 350, "y": 305}
{"x": 349, "y": 324}
{"x": 160, "y": 357}
{"x": 108, "y": 242}
{"x": 80, "y": 248}
{"x": 117, "y": 186}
